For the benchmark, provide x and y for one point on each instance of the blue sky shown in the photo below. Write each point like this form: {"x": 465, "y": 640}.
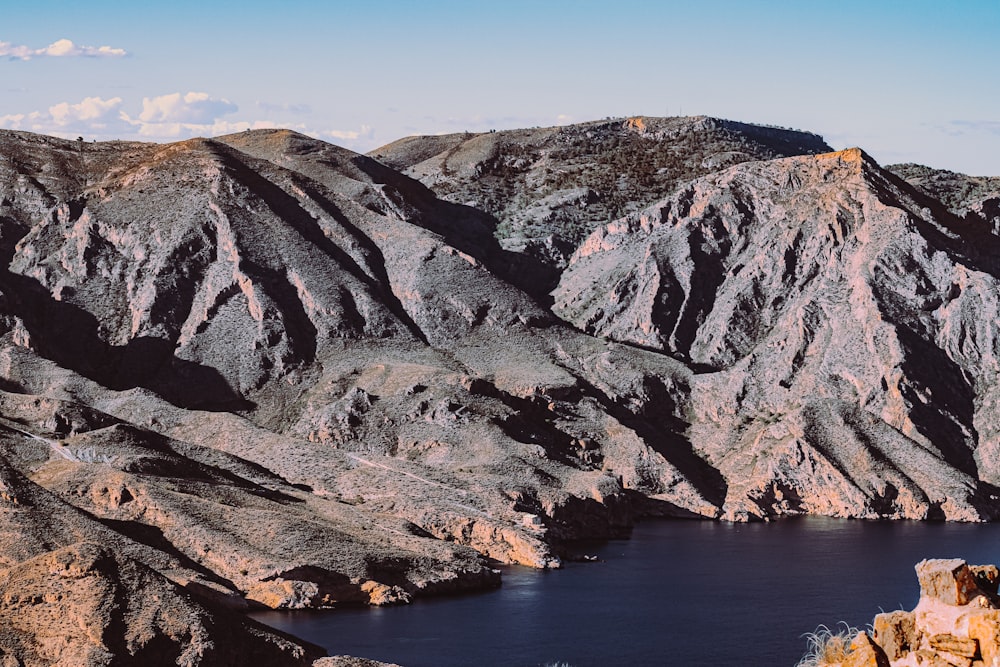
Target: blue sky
{"x": 907, "y": 81}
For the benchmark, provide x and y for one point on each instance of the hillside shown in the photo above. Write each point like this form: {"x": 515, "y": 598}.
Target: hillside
{"x": 548, "y": 188}
{"x": 841, "y": 322}
{"x": 262, "y": 370}
{"x": 964, "y": 195}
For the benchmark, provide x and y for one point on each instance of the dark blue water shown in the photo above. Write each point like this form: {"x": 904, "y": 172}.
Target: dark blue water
{"x": 683, "y": 593}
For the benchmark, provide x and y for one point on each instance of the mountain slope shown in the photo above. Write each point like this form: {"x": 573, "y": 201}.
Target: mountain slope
{"x": 845, "y": 333}
{"x": 380, "y": 366}
{"x": 550, "y": 187}
{"x": 275, "y": 372}
{"x": 976, "y": 196}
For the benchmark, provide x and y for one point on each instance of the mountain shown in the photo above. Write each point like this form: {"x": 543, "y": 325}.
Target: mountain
{"x": 842, "y": 325}
{"x": 548, "y": 188}
{"x": 278, "y": 373}
{"x": 262, "y": 370}
{"x": 976, "y": 196}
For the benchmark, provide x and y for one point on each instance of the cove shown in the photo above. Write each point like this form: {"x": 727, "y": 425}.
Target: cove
{"x": 680, "y": 593}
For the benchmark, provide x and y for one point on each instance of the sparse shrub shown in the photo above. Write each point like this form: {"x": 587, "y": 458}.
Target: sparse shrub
{"x": 827, "y": 647}
{"x": 90, "y": 455}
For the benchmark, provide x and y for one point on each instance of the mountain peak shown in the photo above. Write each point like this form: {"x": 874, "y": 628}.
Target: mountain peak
{"x": 549, "y": 188}
{"x": 853, "y": 154}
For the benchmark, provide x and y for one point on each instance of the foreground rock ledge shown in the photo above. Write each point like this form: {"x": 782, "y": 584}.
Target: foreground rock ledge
{"x": 955, "y": 623}
{"x": 85, "y": 605}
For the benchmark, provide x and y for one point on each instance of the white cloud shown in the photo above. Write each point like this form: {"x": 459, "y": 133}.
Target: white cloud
{"x": 91, "y": 111}
{"x": 62, "y": 48}
{"x": 14, "y": 51}
{"x": 169, "y": 117}
{"x": 366, "y": 132}
{"x": 93, "y": 115}
{"x": 191, "y": 108}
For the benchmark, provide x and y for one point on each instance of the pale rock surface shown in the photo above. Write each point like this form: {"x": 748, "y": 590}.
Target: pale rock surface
{"x": 550, "y": 187}
{"x": 812, "y": 295}
{"x": 865, "y": 653}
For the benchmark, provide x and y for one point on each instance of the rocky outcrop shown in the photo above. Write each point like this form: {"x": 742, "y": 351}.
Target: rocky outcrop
{"x": 550, "y": 187}
{"x": 956, "y": 622}
{"x": 86, "y": 605}
{"x": 974, "y": 198}
{"x": 810, "y": 294}
{"x": 349, "y": 661}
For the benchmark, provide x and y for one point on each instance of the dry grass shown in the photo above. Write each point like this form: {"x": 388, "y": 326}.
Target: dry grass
{"x": 827, "y": 647}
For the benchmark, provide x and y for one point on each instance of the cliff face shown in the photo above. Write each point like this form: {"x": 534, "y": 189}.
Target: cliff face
{"x": 548, "y": 188}
{"x": 841, "y": 325}
{"x": 272, "y": 371}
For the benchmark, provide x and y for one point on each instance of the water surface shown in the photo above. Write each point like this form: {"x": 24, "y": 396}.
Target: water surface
{"x": 683, "y": 593}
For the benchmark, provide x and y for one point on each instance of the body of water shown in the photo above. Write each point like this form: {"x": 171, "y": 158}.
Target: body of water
{"x": 684, "y": 593}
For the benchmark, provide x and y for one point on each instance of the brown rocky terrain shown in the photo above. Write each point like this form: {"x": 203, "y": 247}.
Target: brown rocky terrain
{"x": 264, "y": 370}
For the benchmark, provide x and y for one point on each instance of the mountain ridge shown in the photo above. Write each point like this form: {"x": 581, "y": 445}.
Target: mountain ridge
{"x": 549, "y": 187}
{"x": 281, "y": 373}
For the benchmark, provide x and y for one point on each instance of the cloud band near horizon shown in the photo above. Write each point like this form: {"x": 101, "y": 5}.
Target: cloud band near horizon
{"x": 172, "y": 116}
{"x": 62, "y": 48}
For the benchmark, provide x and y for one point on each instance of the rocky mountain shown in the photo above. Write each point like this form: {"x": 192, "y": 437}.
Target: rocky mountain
{"x": 549, "y": 188}
{"x": 839, "y": 321}
{"x": 262, "y": 370}
{"x": 974, "y": 196}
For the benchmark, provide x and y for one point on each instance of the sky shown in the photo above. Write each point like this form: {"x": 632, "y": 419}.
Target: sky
{"x": 908, "y": 81}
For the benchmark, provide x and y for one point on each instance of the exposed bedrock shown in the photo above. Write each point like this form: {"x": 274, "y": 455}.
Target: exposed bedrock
{"x": 275, "y": 372}
{"x": 841, "y": 327}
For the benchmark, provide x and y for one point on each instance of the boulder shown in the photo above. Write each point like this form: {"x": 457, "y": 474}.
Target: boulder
{"x": 956, "y": 622}
{"x": 984, "y": 628}
{"x": 896, "y": 633}
{"x": 987, "y": 577}
{"x": 948, "y": 580}
{"x": 865, "y": 653}
{"x": 929, "y": 658}
{"x": 960, "y": 646}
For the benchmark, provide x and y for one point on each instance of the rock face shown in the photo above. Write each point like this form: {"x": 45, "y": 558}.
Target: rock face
{"x": 813, "y": 294}
{"x": 956, "y": 622}
{"x": 264, "y": 370}
{"x": 278, "y": 373}
{"x": 865, "y": 653}
{"x": 550, "y": 187}
{"x": 965, "y": 196}
{"x": 85, "y": 605}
